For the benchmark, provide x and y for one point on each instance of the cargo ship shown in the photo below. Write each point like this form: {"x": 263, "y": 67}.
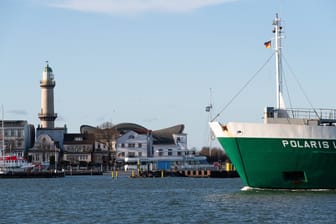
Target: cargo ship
{"x": 291, "y": 149}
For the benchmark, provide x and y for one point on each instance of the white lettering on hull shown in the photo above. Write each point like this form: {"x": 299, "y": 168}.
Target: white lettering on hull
{"x": 309, "y": 144}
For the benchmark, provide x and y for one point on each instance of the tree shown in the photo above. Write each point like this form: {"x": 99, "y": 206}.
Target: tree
{"x": 108, "y": 135}
{"x": 217, "y": 154}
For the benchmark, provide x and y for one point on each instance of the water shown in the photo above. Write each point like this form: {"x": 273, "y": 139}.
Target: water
{"x": 100, "y": 199}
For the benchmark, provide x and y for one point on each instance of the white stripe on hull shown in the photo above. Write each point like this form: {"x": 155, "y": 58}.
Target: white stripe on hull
{"x": 256, "y": 130}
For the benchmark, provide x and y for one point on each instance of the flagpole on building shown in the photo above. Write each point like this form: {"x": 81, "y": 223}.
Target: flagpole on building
{"x": 209, "y": 110}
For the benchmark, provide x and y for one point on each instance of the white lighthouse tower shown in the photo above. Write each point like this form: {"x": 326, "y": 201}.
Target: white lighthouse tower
{"x": 47, "y": 84}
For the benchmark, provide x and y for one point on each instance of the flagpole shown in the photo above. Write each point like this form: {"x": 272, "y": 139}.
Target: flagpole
{"x": 209, "y": 110}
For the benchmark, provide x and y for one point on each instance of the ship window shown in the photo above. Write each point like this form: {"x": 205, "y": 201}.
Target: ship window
{"x": 295, "y": 176}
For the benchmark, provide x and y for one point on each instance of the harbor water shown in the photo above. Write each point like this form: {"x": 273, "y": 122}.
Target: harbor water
{"x": 101, "y": 199}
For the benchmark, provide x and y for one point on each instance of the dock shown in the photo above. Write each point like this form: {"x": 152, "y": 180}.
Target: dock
{"x": 23, "y": 174}
{"x": 83, "y": 172}
{"x": 187, "y": 173}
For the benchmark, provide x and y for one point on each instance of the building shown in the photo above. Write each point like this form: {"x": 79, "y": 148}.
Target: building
{"x": 49, "y": 142}
{"x": 45, "y": 151}
{"x": 100, "y": 154}
{"x": 18, "y": 135}
{"x": 78, "y": 150}
{"x": 133, "y": 143}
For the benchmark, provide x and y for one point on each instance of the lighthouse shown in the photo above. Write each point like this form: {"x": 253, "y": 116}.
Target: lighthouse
{"x": 47, "y": 115}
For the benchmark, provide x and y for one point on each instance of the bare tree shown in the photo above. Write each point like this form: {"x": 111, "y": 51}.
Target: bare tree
{"x": 217, "y": 154}
{"x": 108, "y": 134}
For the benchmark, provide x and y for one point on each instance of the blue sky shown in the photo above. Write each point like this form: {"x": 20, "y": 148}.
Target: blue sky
{"x": 154, "y": 62}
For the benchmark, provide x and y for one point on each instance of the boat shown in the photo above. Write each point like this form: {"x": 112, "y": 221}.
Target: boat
{"x": 13, "y": 162}
{"x": 291, "y": 149}
{"x": 10, "y": 161}
{"x": 14, "y": 166}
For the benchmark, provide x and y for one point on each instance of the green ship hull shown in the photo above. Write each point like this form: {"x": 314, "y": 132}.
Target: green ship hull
{"x": 291, "y": 149}
{"x": 274, "y": 163}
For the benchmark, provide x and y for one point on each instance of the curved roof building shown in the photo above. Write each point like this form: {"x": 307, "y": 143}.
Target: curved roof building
{"x": 161, "y": 136}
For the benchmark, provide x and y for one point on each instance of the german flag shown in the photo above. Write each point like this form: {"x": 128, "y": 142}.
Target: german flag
{"x": 267, "y": 44}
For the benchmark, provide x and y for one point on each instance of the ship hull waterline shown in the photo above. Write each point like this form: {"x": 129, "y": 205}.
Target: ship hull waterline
{"x": 268, "y": 163}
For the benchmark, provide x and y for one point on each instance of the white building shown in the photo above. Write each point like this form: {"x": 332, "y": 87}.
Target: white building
{"x": 18, "y": 136}
{"x": 45, "y": 151}
{"x": 132, "y": 145}
{"x": 133, "y": 150}
{"x": 136, "y": 144}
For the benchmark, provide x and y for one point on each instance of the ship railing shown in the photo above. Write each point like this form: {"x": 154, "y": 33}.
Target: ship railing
{"x": 318, "y": 114}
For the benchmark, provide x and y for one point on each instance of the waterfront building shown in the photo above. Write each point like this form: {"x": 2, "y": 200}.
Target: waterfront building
{"x": 105, "y": 141}
{"x": 175, "y": 146}
{"x": 45, "y": 151}
{"x": 84, "y": 151}
{"x": 100, "y": 153}
{"x": 48, "y": 146}
{"x": 18, "y": 135}
{"x": 78, "y": 150}
{"x": 133, "y": 144}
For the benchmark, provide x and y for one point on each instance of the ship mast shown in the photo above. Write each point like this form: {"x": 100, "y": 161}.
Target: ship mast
{"x": 3, "y": 137}
{"x": 277, "y": 31}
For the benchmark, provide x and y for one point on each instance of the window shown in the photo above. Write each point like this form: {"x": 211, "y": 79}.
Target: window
{"x": 160, "y": 152}
{"x": 131, "y": 154}
{"x": 78, "y": 139}
{"x": 170, "y": 152}
{"x": 139, "y": 145}
{"x": 139, "y": 154}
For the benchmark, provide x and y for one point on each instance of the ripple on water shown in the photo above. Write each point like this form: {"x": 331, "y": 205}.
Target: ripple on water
{"x": 99, "y": 199}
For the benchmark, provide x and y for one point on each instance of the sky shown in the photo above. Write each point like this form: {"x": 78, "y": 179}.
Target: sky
{"x": 159, "y": 63}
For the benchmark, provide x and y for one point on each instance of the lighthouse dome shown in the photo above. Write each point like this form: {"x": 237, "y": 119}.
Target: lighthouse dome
{"x": 47, "y": 69}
